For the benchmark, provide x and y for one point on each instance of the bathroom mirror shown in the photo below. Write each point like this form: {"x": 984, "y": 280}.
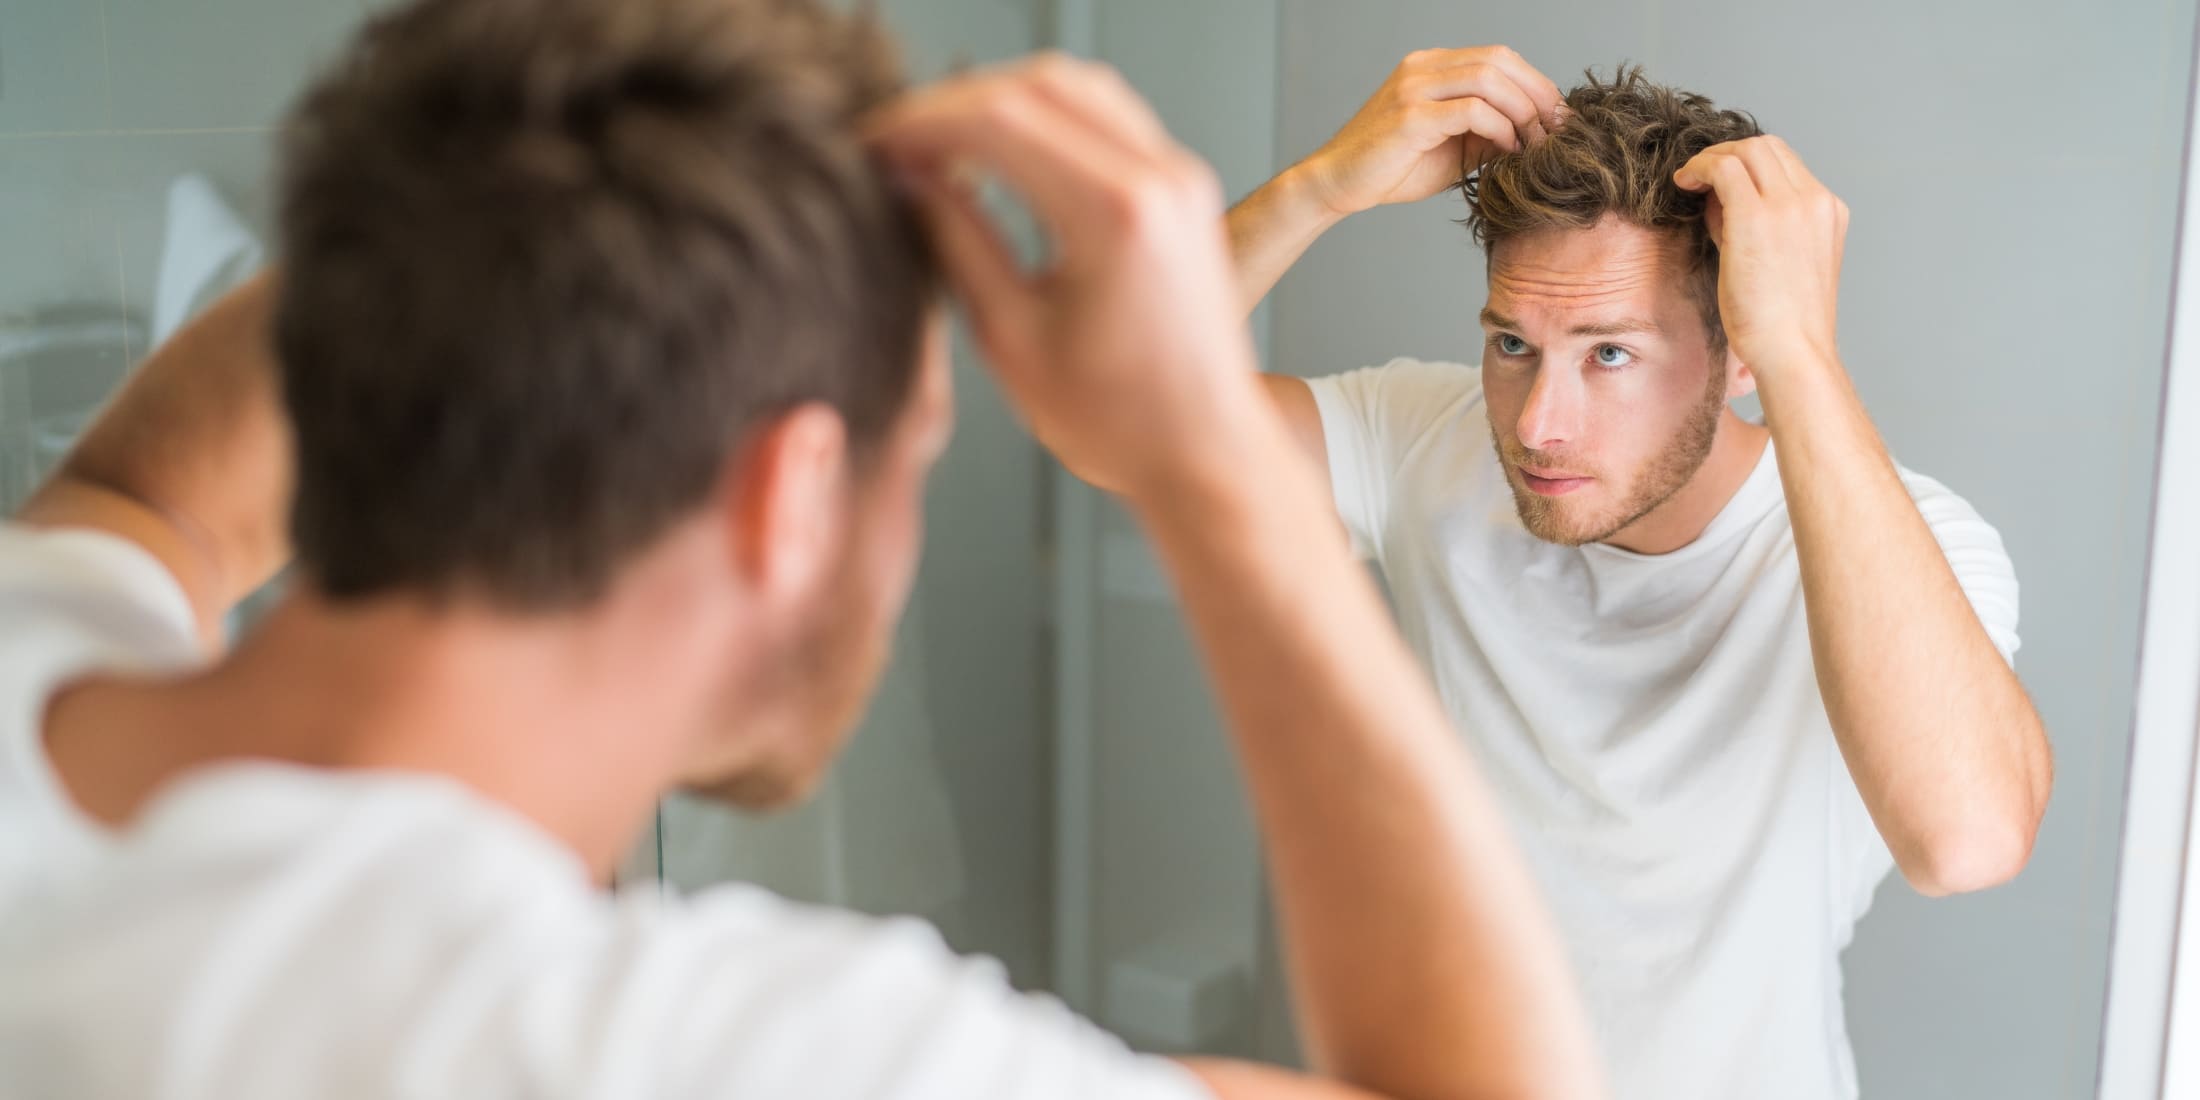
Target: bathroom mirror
{"x": 1042, "y": 774}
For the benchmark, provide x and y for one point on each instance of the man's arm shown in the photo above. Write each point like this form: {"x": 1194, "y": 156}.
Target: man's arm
{"x": 1424, "y": 964}
{"x": 1439, "y": 113}
{"x": 1293, "y": 400}
{"x": 1944, "y": 745}
{"x": 191, "y": 459}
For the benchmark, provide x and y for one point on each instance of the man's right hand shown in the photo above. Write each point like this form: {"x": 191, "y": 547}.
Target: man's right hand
{"x": 1440, "y": 114}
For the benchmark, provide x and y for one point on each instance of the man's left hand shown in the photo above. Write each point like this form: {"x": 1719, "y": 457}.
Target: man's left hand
{"x": 1779, "y": 232}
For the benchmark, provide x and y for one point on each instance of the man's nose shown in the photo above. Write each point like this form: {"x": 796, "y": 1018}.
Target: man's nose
{"x": 1552, "y": 416}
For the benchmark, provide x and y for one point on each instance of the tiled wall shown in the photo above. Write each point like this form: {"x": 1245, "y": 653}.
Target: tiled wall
{"x": 103, "y": 103}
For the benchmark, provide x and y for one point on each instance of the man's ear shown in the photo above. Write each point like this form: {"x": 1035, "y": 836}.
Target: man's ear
{"x": 1740, "y": 380}
{"x": 789, "y": 502}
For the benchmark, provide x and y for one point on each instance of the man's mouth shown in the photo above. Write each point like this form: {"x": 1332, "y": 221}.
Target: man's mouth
{"x": 1551, "y": 483}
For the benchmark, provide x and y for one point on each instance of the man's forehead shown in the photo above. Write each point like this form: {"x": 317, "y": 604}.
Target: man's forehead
{"x": 1611, "y": 268}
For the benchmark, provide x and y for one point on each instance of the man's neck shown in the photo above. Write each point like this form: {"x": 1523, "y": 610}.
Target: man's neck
{"x": 1684, "y": 516}
{"x": 577, "y": 729}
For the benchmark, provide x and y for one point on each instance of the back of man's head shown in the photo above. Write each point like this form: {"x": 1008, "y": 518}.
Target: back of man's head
{"x": 1614, "y": 155}
{"x": 547, "y": 262}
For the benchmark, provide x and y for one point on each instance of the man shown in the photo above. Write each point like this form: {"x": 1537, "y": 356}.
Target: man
{"x": 1724, "y": 674}
{"x": 612, "y": 375}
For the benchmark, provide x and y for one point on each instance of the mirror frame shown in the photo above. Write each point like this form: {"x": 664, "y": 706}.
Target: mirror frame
{"x": 2150, "y": 1038}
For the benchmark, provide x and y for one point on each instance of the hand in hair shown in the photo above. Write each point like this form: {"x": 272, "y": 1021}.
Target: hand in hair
{"x": 1779, "y": 233}
{"x": 1125, "y": 355}
{"x": 1438, "y": 116}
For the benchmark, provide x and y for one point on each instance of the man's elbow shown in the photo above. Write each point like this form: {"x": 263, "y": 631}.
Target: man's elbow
{"x": 1975, "y": 856}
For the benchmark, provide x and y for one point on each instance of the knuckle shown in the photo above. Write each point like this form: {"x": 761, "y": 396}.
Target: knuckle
{"x": 1200, "y": 181}
{"x": 1503, "y": 51}
{"x": 1145, "y": 202}
{"x": 1004, "y": 109}
{"x": 1052, "y": 64}
{"x": 1107, "y": 74}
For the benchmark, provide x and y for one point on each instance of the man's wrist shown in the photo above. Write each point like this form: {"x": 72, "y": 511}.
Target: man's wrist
{"x": 1794, "y": 380}
{"x": 1298, "y": 194}
{"x": 1774, "y": 363}
{"x": 1245, "y": 453}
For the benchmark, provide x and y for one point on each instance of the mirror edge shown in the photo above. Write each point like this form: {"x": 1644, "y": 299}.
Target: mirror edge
{"x": 2148, "y": 1048}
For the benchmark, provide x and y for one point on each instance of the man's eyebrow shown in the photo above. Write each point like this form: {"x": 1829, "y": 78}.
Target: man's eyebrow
{"x": 1622, "y": 327}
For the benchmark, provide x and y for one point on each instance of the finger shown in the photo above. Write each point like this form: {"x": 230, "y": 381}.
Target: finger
{"x": 1490, "y": 83}
{"x": 1797, "y": 171}
{"x": 1805, "y": 182}
{"x": 1476, "y": 116}
{"x": 1099, "y": 97}
{"x": 1548, "y": 99}
{"x": 980, "y": 266}
{"x": 1808, "y": 185}
{"x": 1723, "y": 174}
{"x": 1766, "y": 167}
{"x": 1031, "y": 145}
{"x": 1763, "y": 174}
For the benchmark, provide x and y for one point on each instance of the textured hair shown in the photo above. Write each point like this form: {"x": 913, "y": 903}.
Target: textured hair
{"x": 1614, "y": 154}
{"x": 546, "y": 264}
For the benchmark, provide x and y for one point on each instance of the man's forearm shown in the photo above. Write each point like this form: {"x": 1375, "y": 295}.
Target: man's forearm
{"x": 1270, "y": 229}
{"x": 192, "y": 458}
{"x": 1424, "y": 963}
{"x": 1943, "y": 743}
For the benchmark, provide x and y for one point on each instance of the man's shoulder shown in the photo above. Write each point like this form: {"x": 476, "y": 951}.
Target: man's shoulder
{"x": 89, "y": 581}
{"x": 427, "y": 912}
{"x": 1944, "y": 509}
{"x": 1406, "y": 375}
{"x": 1398, "y": 404}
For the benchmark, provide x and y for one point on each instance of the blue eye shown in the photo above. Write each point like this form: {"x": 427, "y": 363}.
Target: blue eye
{"x": 1508, "y": 344}
{"x": 1613, "y": 356}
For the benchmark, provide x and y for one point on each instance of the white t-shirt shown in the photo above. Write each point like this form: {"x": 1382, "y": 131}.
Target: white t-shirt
{"x": 71, "y": 603}
{"x": 1654, "y": 729}
{"x": 272, "y": 931}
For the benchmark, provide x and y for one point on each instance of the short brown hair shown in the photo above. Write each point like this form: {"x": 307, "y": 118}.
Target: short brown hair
{"x": 547, "y": 262}
{"x": 1614, "y": 154}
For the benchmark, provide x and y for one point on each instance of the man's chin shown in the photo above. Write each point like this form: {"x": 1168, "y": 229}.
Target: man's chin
{"x": 759, "y": 792}
{"x": 1554, "y": 522}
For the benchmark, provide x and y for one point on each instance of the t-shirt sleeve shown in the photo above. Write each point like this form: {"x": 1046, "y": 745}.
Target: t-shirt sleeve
{"x": 1372, "y": 418}
{"x": 1976, "y": 555}
{"x": 72, "y": 603}
{"x": 738, "y": 993}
